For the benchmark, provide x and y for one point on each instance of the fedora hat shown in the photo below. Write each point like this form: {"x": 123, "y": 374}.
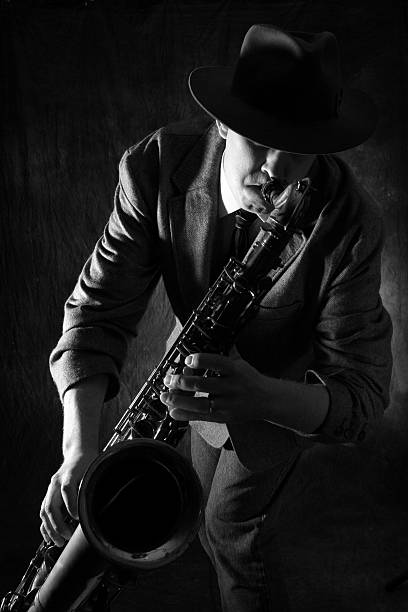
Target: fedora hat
{"x": 285, "y": 92}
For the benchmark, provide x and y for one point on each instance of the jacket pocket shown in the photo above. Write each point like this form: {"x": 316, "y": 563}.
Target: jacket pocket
{"x": 268, "y": 312}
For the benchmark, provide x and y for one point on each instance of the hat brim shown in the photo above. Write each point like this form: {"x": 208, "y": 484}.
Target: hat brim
{"x": 211, "y": 88}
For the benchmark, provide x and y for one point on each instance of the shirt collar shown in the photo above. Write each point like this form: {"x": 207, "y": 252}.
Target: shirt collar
{"x": 227, "y": 202}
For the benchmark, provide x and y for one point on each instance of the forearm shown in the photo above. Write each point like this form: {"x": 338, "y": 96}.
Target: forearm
{"x": 294, "y": 405}
{"x": 82, "y": 415}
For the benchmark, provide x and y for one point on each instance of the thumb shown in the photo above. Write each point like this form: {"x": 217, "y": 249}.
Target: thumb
{"x": 69, "y": 495}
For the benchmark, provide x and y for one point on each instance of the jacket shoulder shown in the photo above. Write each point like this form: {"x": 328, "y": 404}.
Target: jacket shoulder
{"x": 156, "y": 158}
{"x": 175, "y": 138}
{"x": 362, "y": 203}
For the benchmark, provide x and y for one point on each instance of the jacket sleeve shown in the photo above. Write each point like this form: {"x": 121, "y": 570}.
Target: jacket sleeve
{"x": 352, "y": 342}
{"x": 112, "y": 291}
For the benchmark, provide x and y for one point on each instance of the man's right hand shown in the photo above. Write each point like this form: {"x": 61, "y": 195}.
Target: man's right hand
{"x": 59, "y": 506}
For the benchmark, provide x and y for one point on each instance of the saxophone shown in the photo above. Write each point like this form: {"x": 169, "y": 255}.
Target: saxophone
{"x": 140, "y": 502}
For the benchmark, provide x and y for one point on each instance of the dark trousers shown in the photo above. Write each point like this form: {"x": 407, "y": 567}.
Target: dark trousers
{"x": 238, "y": 529}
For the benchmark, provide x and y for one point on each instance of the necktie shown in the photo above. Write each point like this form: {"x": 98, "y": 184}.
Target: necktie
{"x": 243, "y": 221}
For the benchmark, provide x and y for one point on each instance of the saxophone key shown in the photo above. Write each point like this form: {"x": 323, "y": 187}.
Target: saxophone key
{"x": 144, "y": 429}
{"x": 202, "y": 331}
{"x": 184, "y": 350}
{"x": 156, "y": 387}
{"x": 155, "y": 409}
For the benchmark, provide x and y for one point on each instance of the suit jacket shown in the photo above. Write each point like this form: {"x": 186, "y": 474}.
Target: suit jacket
{"x": 322, "y": 322}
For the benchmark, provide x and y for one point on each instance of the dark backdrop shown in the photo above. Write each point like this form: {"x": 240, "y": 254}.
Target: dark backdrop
{"x": 81, "y": 82}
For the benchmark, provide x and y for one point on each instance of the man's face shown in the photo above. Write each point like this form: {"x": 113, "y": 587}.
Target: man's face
{"x": 249, "y": 165}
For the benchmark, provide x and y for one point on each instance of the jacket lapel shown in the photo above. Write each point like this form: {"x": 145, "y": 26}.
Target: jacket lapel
{"x": 193, "y": 216}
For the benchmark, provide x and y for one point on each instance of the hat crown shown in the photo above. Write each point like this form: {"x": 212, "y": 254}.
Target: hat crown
{"x": 295, "y": 75}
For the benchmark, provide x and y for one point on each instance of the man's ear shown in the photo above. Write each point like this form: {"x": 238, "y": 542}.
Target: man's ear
{"x": 222, "y": 129}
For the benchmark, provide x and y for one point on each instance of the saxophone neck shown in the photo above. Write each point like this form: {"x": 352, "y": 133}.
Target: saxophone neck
{"x": 288, "y": 215}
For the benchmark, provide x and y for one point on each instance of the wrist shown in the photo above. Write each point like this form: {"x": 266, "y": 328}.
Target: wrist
{"x": 294, "y": 405}
{"x": 76, "y": 449}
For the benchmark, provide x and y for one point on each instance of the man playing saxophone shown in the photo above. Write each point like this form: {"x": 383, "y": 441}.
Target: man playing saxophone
{"x": 311, "y": 367}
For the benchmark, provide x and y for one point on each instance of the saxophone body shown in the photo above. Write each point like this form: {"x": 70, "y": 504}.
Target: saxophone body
{"x": 140, "y": 502}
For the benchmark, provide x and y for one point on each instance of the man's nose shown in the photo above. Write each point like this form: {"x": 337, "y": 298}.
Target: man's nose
{"x": 272, "y": 162}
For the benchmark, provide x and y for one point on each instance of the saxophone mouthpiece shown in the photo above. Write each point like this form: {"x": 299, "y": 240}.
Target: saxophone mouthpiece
{"x": 271, "y": 190}
{"x": 290, "y": 204}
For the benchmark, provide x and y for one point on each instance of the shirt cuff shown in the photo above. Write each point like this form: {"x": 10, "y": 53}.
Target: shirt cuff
{"x": 73, "y": 366}
{"x": 342, "y": 424}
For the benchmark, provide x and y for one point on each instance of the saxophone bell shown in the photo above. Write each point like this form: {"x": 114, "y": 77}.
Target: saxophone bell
{"x": 140, "y": 504}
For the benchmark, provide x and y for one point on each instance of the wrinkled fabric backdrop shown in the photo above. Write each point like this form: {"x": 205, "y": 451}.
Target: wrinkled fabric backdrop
{"x": 81, "y": 83}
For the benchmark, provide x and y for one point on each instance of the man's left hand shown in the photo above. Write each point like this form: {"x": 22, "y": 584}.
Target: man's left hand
{"x": 237, "y": 394}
